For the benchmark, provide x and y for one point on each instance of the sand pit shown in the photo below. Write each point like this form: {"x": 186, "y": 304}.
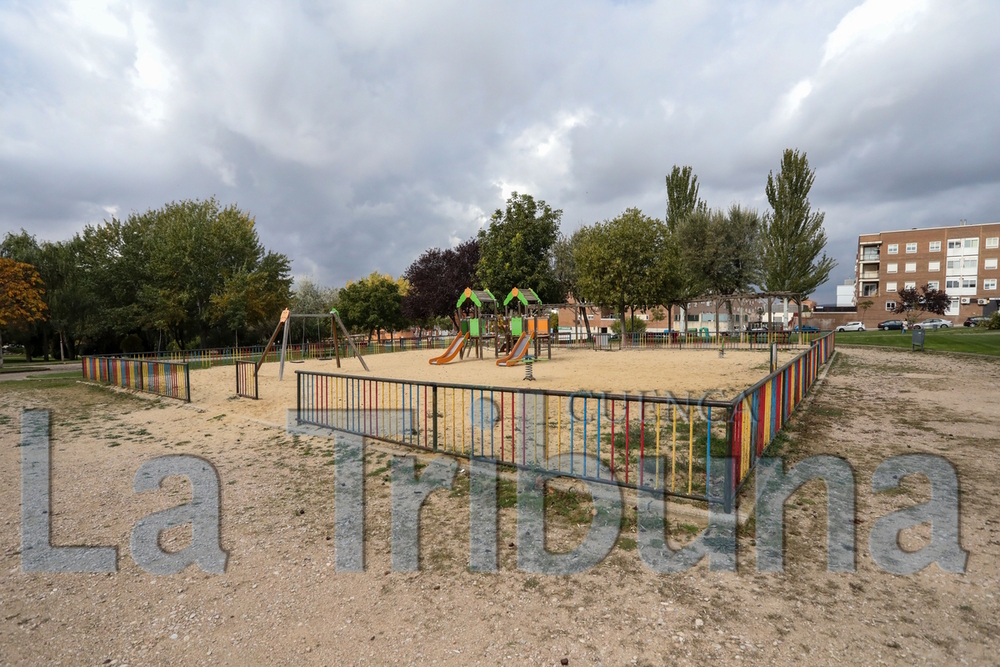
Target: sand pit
{"x": 682, "y": 372}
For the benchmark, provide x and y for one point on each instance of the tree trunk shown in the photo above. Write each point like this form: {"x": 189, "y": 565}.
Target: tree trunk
{"x": 1, "y": 349}
{"x": 62, "y": 350}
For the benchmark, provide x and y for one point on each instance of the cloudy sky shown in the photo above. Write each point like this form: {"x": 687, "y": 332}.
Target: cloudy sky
{"x": 360, "y": 134}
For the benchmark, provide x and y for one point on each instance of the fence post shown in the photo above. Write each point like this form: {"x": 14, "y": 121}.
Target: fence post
{"x": 187, "y": 383}
{"x": 298, "y": 396}
{"x": 434, "y": 393}
{"x": 727, "y": 497}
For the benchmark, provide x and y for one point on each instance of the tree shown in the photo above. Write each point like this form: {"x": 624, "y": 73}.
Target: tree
{"x": 912, "y": 302}
{"x": 437, "y": 279}
{"x": 21, "y": 292}
{"x": 515, "y": 250}
{"x": 372, "y": 304}
{"x": 618, "y": 262}
{"x": 720, "y": 251}
{"x": 793, "y": 238}
{"x": 682, "y": 196}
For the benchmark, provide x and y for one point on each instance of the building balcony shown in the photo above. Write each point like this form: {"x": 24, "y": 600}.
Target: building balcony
{"x": 869, "y": 275}
{"x": 869, "y": 256}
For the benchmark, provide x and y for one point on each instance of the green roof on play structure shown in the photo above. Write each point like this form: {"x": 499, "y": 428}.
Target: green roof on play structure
{"x": 526, "y": 297}
{"x": 478, "y": 297}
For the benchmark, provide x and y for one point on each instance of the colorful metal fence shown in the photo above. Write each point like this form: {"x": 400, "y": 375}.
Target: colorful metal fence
{"x": 163, "y": 378}
{"x": 246, "y": 379}
{"x": 759, "y": 413}
{"x": 655, "y": 442}
{"x": 694, "y": 340}
{"x": 641, "y": 440}
{"x": 228, "y": 356}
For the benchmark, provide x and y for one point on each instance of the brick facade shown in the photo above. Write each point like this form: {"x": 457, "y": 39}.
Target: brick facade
{"x": 962, "y": 260}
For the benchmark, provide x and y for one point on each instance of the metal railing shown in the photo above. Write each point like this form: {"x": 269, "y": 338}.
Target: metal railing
{"x": 163, "y": 378}
{"x": 703, "y": 339}
{"x": 227, "y": 356}
{"x": 246, "y": 379}
{"x": 654, "y": 442}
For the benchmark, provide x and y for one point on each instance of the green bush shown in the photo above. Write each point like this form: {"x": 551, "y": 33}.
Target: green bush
{"x": 993, "y": 323}
{"x": 637, "y": 326}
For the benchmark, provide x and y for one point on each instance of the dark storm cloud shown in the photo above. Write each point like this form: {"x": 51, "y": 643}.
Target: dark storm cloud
{"x": 361, "y": 134}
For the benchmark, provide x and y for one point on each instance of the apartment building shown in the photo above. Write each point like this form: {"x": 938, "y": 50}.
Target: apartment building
{"x": 962, "y": 260}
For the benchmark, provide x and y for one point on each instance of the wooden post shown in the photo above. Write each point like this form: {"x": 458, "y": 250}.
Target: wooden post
{"x": 267, "y": 348}
{"x": 350, "y": 341}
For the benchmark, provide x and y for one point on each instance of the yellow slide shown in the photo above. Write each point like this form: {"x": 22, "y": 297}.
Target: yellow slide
{"x": 520, "y": 349}
{"x": 452, "y": 351}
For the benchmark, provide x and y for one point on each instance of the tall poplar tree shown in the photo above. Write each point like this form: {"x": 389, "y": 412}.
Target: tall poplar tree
{"x": 682, "y": 196}
{"x": 793, "y": 240}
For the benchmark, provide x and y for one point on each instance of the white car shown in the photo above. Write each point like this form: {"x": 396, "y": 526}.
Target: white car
{"x": 852, "y": 326}
{"x": 933, "y": 323}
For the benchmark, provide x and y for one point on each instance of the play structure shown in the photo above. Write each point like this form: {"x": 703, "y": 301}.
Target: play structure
{"x": 526, "y": 323}
{"x": 478, "y": 325}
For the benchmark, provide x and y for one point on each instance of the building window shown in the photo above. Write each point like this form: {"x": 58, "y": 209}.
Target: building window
{"x": 871, "y": 289}
{"x": 893, "y": 248}
{"x": 869, "y": 254}
{"x": 954, "y": 243}
{"x": 990, "y": 263}
{"x": 971, "y": 244}
{"x": 969, "y": 263}
{"x": 934, "y": 266}
{"x": 911, "y": 267}
{"x": 933, "y": 284}
{"x": 952, "y": 283}
{"x": 590, "y": 318}
{"x": 890, "y": 305}
{"x": 935, "y": 246}
{"x": 708, "y": 317}
{"x": 990, "y": 283}
{"x": 890, "y": 287}
{"x": 911, "y": 248}
{"x": 891, "y": 268}
{"x": 954, "y": 264}
{"x": 692, "y": 318}
{"x": 952, "y": 308}
{"x": 909, "y": 286}
{"x": 968, "y": 283}
{"x": 993, "y": 242}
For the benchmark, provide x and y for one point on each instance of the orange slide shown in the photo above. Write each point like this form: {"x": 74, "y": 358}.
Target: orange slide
{"x": 520, "y": 349}
{"x": 452, "y": 351}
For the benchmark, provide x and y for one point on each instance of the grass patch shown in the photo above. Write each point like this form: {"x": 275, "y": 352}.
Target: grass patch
{"x": 956, "y": 339}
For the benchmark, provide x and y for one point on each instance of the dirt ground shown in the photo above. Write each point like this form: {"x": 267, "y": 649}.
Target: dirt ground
{"x": 280, "y": 600}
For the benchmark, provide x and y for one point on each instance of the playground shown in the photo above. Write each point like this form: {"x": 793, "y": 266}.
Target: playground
{"x": 682, "y": 372}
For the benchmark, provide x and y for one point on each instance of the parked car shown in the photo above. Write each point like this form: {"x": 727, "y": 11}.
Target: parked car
{"x": 933, "y": 323}
{"x": 852, "y": 326}
{"x": 974, "y": 321}
{"x": 891, "y": 325}
{"x": 808, "y": 328}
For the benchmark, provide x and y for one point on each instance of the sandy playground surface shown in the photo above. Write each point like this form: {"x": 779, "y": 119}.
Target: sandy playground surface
{"x": 683, "y": 372}
{"x": 281, "y": 601}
